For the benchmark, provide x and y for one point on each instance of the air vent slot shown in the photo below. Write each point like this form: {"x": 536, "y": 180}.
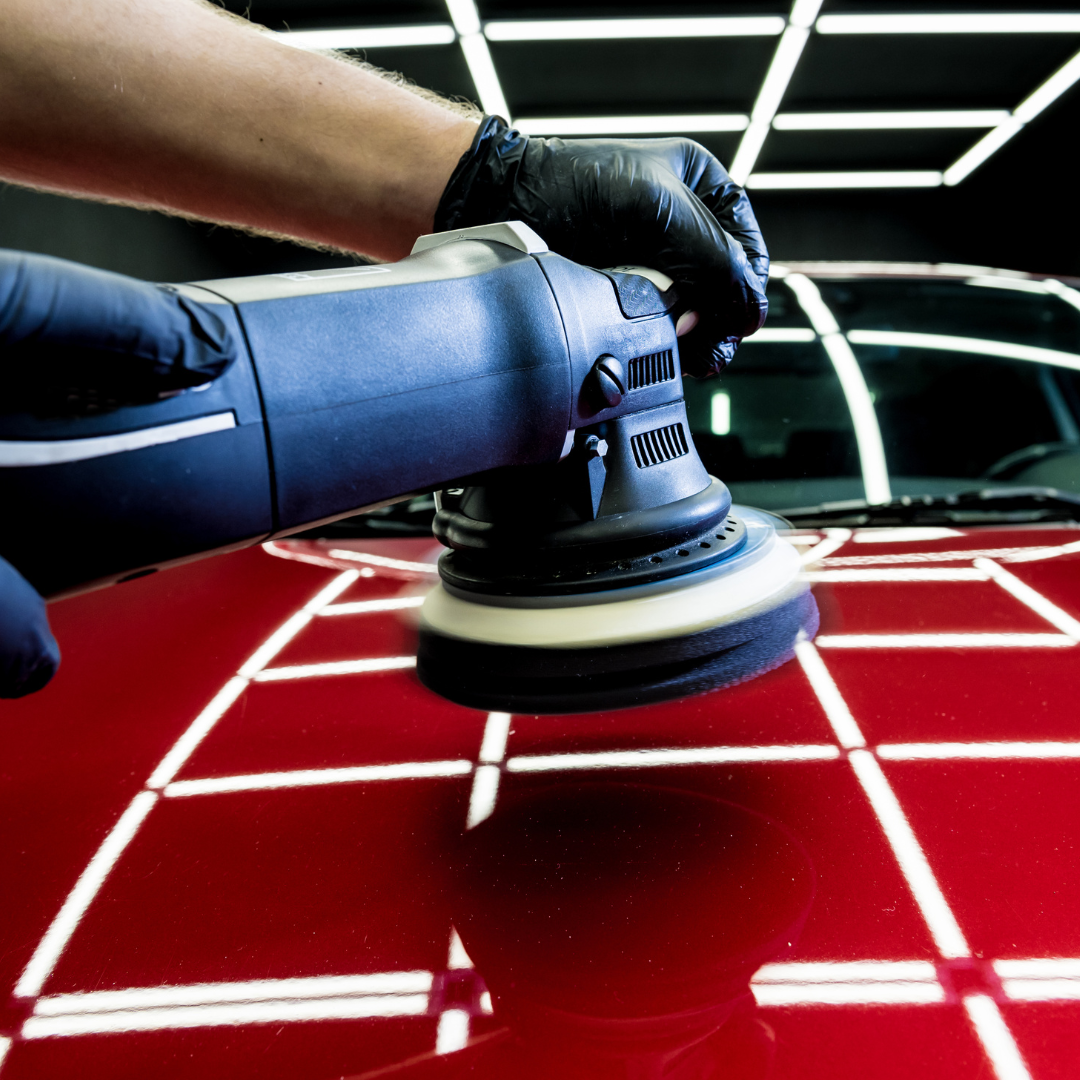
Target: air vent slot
{"x": 649, "y": 370}
{"x": 659, "y": 445}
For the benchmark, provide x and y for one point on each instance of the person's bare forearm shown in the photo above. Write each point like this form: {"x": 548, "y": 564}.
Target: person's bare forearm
{"x": 168, "y": 104}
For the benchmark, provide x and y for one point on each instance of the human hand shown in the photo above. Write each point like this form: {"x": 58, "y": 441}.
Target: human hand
{"x": 81, "y": 340}
{"x": 29, "y": 655}
{"x": 663, "y": 203}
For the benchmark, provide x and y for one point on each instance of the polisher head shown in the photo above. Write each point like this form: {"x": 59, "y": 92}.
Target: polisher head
{"x": 583, "y": 651}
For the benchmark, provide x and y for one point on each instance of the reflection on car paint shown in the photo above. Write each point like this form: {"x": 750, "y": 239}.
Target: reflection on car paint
{"x": 801, "y": 746}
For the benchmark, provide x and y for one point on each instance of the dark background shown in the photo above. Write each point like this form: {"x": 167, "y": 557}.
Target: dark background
{"x": 1018, "y": 211}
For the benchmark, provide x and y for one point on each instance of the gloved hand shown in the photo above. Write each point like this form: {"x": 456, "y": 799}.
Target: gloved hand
{"x": 29, "y": 655}
{"x": 73, "y": 339}
{"x": 663, "y": 203}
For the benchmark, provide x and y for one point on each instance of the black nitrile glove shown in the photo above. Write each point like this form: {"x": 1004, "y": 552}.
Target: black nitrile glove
{"x": 29, "y": 655}
{"x": 76, "y": 340}
{"x": 663, "y": 203}
{"x": 73, "y": 339}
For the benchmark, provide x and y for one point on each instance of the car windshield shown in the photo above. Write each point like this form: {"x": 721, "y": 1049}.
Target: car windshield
{"x": 873, "y": 388}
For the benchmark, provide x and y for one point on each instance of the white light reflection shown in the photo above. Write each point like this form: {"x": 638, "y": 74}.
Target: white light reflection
{"x": 904, "y": 534}
{"x": 1030, "y": 598}
{"x": 838, "y": 993}
{"x": 855, "y": 982}
{"x": 624, "y": 29}
{"x": 82, "y": 895}
{"x": 336, "y": 667}
{"x": 997, "y": 1040}
{"x": 453, "y": 1031}
{"x": 943, "y": 641}
{"x": 358, "y": 774}
{"x": 720, "y": 413}
{"x": 637, "y": 759}
{"x": 1042, "y": 979}
{"x": 875, "y": 474}
{"x": 1010, "y": 554}
{"x": 485, "y": 790}
{"x": 156, "y": 997}
{"x": 382, "y": 560}
{"x": 366, "y": 607}
{"x": 832, "y": 702}
{"x": 980, "y": 751}
{"x": 781, "y": 334}
{"x": 496, "y": 732}
{"x": 917, "y": 573}
{"x": 940, "y": 920}
{"x": 192, "y": 1016}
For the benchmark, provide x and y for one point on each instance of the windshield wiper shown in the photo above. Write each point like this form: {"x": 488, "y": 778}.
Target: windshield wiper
{"x": 985, "y": 506}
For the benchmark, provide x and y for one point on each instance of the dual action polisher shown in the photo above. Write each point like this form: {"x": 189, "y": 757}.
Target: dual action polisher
{"x": 592, "y": 563}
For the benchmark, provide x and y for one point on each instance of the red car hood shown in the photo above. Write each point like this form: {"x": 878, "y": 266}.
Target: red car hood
{"x": 228, "y": 822}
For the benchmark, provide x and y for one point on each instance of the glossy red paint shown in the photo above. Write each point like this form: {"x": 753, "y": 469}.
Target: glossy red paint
{"x": 279, "y": 900}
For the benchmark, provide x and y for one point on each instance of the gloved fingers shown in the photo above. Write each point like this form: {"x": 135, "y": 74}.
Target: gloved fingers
{"x": 29, "y": 655}
{"x": 703, "y": 173}
{"x": 70, "y": 329}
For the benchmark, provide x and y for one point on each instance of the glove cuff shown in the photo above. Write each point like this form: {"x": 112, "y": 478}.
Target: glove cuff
{"x": 480, "y": 187}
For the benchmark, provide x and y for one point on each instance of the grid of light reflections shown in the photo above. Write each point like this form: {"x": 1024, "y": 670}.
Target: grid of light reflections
{"x": 417, "y": 993}
{"x": 473, "y": 34}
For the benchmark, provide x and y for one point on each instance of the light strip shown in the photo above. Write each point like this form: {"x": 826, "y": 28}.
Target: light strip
{"x": 1060, "y": 289}
{"x": 632, "y": 125}
{"x": 156, "y": 997}
{"x": 829, "y": 697}
{"x": 819, "y": 181}
{"x": 1006, "y": 350}
{"x": 82, "y": 895}
{"x": 1041, "y": 989}
{"x": 1030, "y": 598}
{"x": 846, "y": 971}
{"x": 359, "y": 774}
{"x": 336, "y": 667}
{"x": 1010, "y": 554}
{"x": 914, "y": 573}
{"x": 857, "y": 993}
{"x": 383, "y": 560}
{"x": 368, "y": 607}
{"x": 988, "y": 751}
{"x": 940, "y": 921}
{"x": 358, "y": 1007}
{"x": 452, "y": 1033}
{"x": 1040, "y": 967}
{"x": 1015, "y": 284}
{"x": 637, "y": 759}
{"x": 23, "y": 453}
{"x": 1058, "y": 83}
{"x": 624, "y": 29}
{"x": 875, "y": 473}
{"x": 975, "y": 23}
{"x": 367, "y": 37}
{"x": 997, "y": 1040}
{"x": 889, "y": 121}
{"x": 784, "y": 61}
{"x": 782, "y": 335}
{"x": 474, "y": 47}
{"x": 943, "y": 641}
